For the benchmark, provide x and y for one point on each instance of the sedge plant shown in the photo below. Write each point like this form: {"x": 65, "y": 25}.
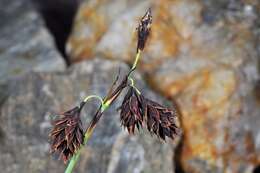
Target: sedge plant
{"x": 67, "y": 135}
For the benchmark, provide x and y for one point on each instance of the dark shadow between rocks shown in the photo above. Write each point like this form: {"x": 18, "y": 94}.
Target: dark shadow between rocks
{"x": 177, "y": 158}
{"x": 1, "y": 136}
{"x": 256, "y": 169}
{"x": 58, "y": 16}
{"x": 178, "y": 149}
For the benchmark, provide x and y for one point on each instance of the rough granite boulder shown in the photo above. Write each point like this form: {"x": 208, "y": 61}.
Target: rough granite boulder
{"x": 25, "y": 43}
{"x": 34, "y": 98}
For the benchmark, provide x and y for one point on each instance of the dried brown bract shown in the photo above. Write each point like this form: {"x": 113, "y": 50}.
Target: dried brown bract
{"x": 160, "y": 120}
{"x": 144, "y": 29}
{"x": 114, "y": 93}
{"x": 67, "y": 134}
{"x": 131, "y": 111}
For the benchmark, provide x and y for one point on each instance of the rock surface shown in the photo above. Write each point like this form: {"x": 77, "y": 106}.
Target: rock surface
{"x": 26, "y": 113}
{"x": 25, "y": 43}
{"x": 205, "y": 52}
{"x": 213, "y": 77}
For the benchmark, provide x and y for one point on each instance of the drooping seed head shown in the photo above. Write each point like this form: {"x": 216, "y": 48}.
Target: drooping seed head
{"x": 67, "y": 134}
{"x": 160, "y": 120}
{"x": 131, "y": 114}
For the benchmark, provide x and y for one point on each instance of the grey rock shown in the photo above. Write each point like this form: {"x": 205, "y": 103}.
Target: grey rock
{"x": 32, "y": 101}
{"x": 232, "y": 10}
{"x": 25, "y": 43}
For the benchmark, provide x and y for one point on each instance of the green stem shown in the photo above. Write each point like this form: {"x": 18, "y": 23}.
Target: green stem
{"x": 73, "y": 162}
{"x": 87, "y": 135}
{"x": 133, "y": 85}
{"x": 137, "y": 57}
{"x": 94, "y": 96}
{"x": 75, "y": 157}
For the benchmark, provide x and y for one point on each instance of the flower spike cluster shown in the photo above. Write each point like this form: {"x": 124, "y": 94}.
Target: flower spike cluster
{"x": 136, "y": 111}
{"x": 68, "y": 136}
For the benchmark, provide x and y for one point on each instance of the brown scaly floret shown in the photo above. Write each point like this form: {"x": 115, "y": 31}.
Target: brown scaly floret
{"x": 160, "y": 120}
{"x": 67, "y": 134}
{"x": 131, "y": 111}
{"x": 144, "y": 29}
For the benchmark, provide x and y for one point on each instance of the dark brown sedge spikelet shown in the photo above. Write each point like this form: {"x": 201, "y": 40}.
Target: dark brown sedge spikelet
{"x": 67, "y": 134}
{"x": 143, "y": 29}
{"x": 131, "y": 114}
{"x": 160, "y": 120}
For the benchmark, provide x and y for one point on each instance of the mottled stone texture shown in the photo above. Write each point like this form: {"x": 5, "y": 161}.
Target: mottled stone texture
{"x": 34, "y": 99}
{"x": 25, "y": 43}
{"x": 203, "y": 54}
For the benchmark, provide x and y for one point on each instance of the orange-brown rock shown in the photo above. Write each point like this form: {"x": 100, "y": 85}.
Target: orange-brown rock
{"x": 213, "y": 81}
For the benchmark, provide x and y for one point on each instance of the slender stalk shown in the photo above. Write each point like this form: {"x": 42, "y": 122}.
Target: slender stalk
{"x": 133, "y": 85}
{"x": 137, "y": 57}
{"x": 87, "y": 135}
{"x": 89, "y": 131}
{"x": 73, "y": 161}
{"x": 75, "y": 158}
{"x": 94, "y": 96}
